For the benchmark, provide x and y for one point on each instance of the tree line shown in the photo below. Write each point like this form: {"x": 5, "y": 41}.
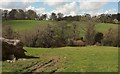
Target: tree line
{"x": 19, "y": 14}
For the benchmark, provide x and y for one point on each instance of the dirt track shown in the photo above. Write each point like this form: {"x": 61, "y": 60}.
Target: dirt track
{"x": 49, "y": 66}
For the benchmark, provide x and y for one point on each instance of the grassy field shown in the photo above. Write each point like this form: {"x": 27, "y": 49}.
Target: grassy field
{"x": 67, "y": 59}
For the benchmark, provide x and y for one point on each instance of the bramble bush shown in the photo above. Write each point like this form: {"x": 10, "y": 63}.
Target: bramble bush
{"x": 111, "y": 38}
{"x": 8, "y": 32}
{"x": 56, "y": 35}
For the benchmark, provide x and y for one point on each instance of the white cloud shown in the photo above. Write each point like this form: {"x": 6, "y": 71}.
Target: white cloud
{"x": 37, "y": 10}
{"x": 11, "y": 4}
{"x": 67, "y": 9}
{"x": 54, "y": 2}
{"x": 92, "y": 4}
{"x": 111, "y": 11}
{"x": 99, "y": 0}
{"x": 93, "y": 7}
{"x": 101, "y": 11}
{"x": 19, "y": 0}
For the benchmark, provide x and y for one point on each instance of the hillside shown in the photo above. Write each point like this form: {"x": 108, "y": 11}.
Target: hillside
{"x": 20, "y": 25}
{"x": 29, "y": 24}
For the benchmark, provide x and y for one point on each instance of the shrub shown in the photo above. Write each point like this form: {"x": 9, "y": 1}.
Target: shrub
{"x": 98, "y": 37}
{"x": 29, "y": 37}
{"x": 111, "y": 38}
{"x": 90, "y": 32}
{"x": 47, "y": 36}
{"x": 8, "y": 32}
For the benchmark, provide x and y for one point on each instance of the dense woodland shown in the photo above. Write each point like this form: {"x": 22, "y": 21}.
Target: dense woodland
{"x": 61, "y": 34}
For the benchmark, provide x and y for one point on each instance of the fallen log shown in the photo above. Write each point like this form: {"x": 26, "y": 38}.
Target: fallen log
{"x": 12, "y": 49}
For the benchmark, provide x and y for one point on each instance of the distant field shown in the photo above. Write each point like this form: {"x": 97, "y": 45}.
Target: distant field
{"x": 19, "y": 25}
{"x": 103, "y": 27}
{"x": 24, "y": 24}
{"x": 29, "y": 24}
{"x": 68, "y": 59}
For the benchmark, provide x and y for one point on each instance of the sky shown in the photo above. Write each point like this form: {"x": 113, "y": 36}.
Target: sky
{"x": 67, "y": 7}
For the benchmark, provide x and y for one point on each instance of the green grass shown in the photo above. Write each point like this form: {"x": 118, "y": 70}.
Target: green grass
{"x": 72, "y": 59}
{"x": 104, "y": 27}
{"x": 25, "y": 24}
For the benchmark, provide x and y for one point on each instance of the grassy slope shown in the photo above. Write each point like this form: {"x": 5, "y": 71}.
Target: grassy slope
{"x": 73, "y": 59}
{"x": 103, "y": 27}
{"x": 24, "y": 24}
{"x": 29, "y": 24}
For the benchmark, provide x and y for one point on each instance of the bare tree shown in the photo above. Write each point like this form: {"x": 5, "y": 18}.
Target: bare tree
{"x": 90, "y": 32}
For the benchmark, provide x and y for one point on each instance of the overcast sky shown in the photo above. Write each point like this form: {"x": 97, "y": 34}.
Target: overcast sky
{"x": 67, "y": 7}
